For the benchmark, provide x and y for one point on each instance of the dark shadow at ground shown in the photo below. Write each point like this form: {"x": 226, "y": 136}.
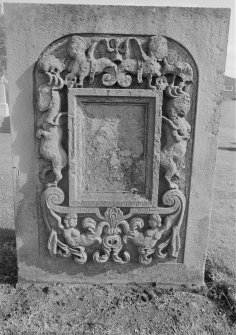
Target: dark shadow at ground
{"x": 227, "y": 148}
{"x": 8, "y": 260}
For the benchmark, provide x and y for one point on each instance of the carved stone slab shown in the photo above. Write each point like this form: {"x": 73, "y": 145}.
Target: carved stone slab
{"x": 115, "y": 156}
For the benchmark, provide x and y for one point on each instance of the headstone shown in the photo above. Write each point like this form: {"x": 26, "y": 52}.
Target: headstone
{"x": 4, "y": 110}
{"x": 115, "y": 115}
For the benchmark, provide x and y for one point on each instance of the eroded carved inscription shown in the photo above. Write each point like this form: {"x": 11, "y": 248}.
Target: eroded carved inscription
{"x": 111, "y": 114}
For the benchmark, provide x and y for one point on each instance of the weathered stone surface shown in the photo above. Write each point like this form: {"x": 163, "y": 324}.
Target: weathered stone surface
{"x": 114, "y": 148}
{"x": 115, "y": 180}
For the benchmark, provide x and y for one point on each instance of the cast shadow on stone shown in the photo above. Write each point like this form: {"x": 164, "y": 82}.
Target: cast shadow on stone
{"x": 227, "y": 148}
{"x": 26, "y": 203}
{"x": 8, "y": 260}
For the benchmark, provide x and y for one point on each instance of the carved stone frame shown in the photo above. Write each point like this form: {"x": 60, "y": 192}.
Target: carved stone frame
{"x": 153, "y": 105}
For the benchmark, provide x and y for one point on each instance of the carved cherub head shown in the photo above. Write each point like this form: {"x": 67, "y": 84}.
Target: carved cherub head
{"x": 70, "y": 220}
{"x": 179, "y": 106}
{"x": 71, "y": 80}
{"x": 161, "y": 83}
{"x": 51, "y": 64}
{"x": 77, "y": 45}
{"x": 155, "y": 221}
{"x": 158, "y": 47}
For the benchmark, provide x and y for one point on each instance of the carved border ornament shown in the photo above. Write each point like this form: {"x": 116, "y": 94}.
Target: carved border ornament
{"x": 118, "y": 63}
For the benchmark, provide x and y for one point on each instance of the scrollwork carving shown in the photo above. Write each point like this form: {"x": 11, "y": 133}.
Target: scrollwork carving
{"x": 54, "y": 226}
{"x": 114, "y": 231}
{"x": 112, "y": 241}
{"x": 122, "y": 62}
{"x": 142, "y": 65}
{"x": 82, "y": 66}
{"x": 170, "y": 240}
{"x": 117, "y": 59}
{"x": 120, "y": 59}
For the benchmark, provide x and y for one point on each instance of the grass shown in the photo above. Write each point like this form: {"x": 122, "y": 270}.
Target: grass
{"x": 221, "y": 288}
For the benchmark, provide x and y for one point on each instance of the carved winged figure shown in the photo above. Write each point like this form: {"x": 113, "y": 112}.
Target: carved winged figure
{"x": 82, "y": 64}
{"x": 55, "y": 227}
{"x": 146, "y": 241}
{"x": 177, "y": 133}
{"x": 162, "y": 237}
{"x": 73, "y": 236}
{"x": 142, "y": 64}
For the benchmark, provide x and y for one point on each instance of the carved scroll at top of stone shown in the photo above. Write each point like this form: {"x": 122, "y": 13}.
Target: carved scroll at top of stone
{"x": 121, "y": 61}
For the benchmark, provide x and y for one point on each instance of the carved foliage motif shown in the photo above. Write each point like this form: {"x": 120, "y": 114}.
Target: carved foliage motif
{"x": 118, "y": 62}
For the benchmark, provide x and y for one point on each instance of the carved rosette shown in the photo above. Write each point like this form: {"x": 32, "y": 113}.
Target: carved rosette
{"x": 119, "y": 63}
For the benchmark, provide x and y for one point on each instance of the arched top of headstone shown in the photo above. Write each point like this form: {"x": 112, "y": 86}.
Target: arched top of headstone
{"x": 117, "y": 61}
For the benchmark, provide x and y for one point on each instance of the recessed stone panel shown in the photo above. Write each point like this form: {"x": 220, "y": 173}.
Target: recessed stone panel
{"x": 114, "y": 148}
{"x": 113, "y": 135}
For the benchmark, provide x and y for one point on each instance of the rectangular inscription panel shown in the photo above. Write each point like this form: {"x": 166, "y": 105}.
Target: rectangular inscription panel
{"x": 114, "y": 147}
{"x": 113, "y": 136}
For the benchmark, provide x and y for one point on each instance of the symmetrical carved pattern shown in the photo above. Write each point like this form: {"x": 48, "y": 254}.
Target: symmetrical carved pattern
{"x": 113, "y": 230}
{"x": 118, "y": 62}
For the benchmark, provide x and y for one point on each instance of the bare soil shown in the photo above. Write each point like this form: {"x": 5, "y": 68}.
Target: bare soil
{"x": 118, "y": 309}
{"x": 128, "y": 309}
